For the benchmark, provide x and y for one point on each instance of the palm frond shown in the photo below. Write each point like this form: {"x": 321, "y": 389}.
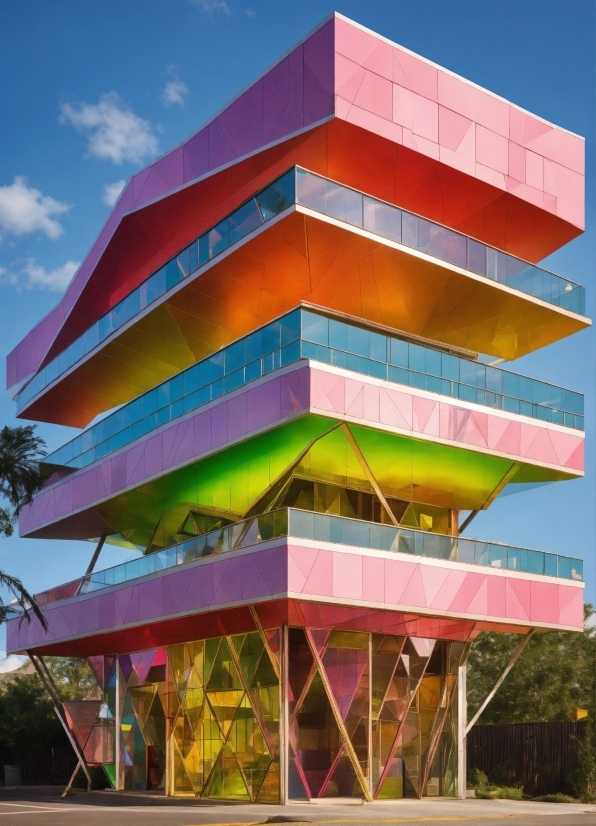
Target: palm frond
{"x": 24, "y": 600}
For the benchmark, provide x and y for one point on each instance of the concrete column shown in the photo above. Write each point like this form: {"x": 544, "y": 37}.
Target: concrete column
{"x": 462, "y": 722}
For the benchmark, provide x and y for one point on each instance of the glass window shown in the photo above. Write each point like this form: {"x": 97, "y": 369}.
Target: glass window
{"x": 311, "y": 191}
{"x": 279, "y": 196}
{"x": 183, "y": 259}
{"x": 126, "y": 309}
{"x": 173, "y": 274}
{"x": 176, "y": 387}
{"x": 193, "y": 256}
{"x": 212, "y": 368}
{"x": 244, "y": 220}
{"x": 192, "y": 379}
{"x": 408, "y": 229}
{"x": 476, "y": 257}
{"x": 203, "y": 245}
{"x": 344, "y": 204}
{"x": 399, "y": 352}
{"x": 447, "y": 245}
{"x": 423, "y": 235}
{"x": 235, "y": 356}
{"x": 315, "y": 328}
{"x": 91, "y": 337}
{"x": 271, "y": 337}
{"x": 156, "y": 285}
{"x": 378, "y": 347}
{"x": 449, "y": 367}
{"x": 433, "y": 362}
{"x": 338, "y": 334}
{"x": 417, "y": 358}
{"x": 290, "y": 327}
{"x": 358, "y": 341}
{"x": 218, "y": 238}
{"x": 382, "y": 219}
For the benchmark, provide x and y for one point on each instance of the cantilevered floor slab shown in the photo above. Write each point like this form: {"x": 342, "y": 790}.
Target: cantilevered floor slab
{"x": 301, "y": 256}
{"x": 421, "y": 447}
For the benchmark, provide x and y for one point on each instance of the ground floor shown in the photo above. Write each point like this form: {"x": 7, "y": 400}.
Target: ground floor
{"x": 272, "y": 715}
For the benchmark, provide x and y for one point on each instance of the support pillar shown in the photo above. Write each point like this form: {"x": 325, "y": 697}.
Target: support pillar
{"x": 284, "y": 743}
{"x": 462, "y": 722}
{"x": 117, "y": 729}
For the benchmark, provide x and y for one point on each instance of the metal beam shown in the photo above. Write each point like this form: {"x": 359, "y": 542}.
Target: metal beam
{"x": 96, "y": 554}
{"x": 345, "y": 738}
{"x": 521, "y": 645}
{"x": 368, "y": 473}
{"x": 48, "y": 683}
{"x": 462, "y": 716}
{"x": 466, "y": 522}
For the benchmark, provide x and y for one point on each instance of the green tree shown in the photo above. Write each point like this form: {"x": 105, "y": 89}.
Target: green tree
{"x": 20, "y": 477}
{"x": 27, "y": 719}
{"x": 73, "y": 677}
{"x": 554, "y": 675}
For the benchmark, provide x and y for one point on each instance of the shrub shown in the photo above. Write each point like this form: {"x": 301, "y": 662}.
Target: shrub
{"x": 555, "y": 798}
{"x": 477, "y": 779}
{"x": 499, "y": 792}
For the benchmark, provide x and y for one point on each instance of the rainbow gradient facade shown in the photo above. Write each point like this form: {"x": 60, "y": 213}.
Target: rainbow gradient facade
{"x": 301, "y": 315}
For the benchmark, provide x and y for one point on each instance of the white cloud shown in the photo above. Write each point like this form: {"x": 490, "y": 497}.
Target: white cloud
{"x": 111, "y": 192}
{"x": 31, "y": 276}
{"x": 113, "y": 130}
{"x": 210, "y": 6}
{"x": 174, "y": 92}
{"x": 24, "y": 209}
{"x": 11, "y": 662}
{"x": 250, "y": 13}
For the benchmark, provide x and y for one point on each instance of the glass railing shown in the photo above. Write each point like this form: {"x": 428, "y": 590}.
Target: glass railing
{"x": 324, "y": 527}
{"x": 306, "y": 334}
{"x": 359, "y": 210}
{"x": 336, "y": 201}
{"x": 268, "y": 203}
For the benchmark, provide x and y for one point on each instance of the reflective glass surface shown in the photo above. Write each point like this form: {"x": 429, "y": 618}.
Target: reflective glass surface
{"x": 344, "y": 204}
{"x": 390, "y": 222}
{"x": 327, "y": 528}
{"x": 305, "y": 334}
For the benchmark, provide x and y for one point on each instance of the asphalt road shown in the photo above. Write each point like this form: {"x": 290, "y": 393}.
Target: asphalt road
{"x": 111, "y": 809}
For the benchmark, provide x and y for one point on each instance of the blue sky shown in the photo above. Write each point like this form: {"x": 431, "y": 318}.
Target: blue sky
{"x": 91, "y": 92}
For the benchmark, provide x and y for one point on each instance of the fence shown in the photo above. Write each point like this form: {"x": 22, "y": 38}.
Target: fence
{"x": 537, "y": 756}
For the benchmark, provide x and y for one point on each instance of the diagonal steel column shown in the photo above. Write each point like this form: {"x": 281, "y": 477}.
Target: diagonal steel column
{"x": 48, "y": 683}
{"x": 338, "y": 719}
{"x": 521, "y": 645}
{"x": 368, "y": 473}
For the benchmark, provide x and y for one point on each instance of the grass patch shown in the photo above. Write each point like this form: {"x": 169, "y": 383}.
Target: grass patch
{"x": 499, "y": 793}
{"x": 555, "y": 798}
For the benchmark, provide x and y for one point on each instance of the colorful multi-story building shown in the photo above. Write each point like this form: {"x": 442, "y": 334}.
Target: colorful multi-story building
{"x": 293, "y": 330}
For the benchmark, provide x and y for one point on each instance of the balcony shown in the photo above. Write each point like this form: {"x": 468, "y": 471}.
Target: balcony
{"x": 299, "y": 188}
{"x": 322, "y": 527}
{"x": 307, "y": 334}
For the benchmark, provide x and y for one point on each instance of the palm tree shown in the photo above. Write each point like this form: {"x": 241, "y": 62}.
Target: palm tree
{"x": 20, "y": 477}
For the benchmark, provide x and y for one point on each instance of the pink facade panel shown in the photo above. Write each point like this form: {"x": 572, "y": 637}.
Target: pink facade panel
{"x": 313, "y": 389}
{"x": 467, "y": 128}
{"x": 394, "y": 583}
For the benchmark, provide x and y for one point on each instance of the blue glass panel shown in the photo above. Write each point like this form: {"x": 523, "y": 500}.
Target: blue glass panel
{"x": 218, "y": 238}
{"x": 448, "y": 245}
{"x": 338, "y": 334}
{"x": 279, "y": 196}
{"x": 244, "y": 220}
{"x": 476, "y": 257}
{"x": 399, "y": 352}
{"x": 382, "y": 219}
{"x": 315, "y": 328}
